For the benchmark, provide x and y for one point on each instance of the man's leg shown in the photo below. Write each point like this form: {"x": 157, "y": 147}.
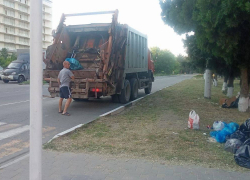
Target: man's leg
{"x": 60, "y": 104}
{"x": 67, "y": 105}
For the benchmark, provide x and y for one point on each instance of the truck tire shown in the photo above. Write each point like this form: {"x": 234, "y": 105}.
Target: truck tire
{"x": 115, "y": 98}
{"x": 125, "y": 93}
{"x": 149, "y": 88}
{"x": 20, "y": 79}
{"x": 134, "y": 89}
{"x": 79, "y": 99}
{"x": 5, "y": 81}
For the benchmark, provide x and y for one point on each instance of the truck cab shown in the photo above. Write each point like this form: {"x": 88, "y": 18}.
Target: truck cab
{"x": 18, "y": 70}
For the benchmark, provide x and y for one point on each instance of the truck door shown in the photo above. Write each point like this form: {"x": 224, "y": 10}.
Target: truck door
{"x": 24, "y": 71}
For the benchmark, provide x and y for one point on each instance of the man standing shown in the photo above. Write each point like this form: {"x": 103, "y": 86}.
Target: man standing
{"x": 63, "y": 80}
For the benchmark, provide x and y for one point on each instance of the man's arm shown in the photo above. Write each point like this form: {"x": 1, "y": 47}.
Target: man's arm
{"x": 71, "y": 75}
{"x": 59, "y": 83}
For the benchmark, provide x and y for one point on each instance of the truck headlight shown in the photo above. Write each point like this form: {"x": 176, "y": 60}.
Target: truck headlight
{"x": 13, "y": 73}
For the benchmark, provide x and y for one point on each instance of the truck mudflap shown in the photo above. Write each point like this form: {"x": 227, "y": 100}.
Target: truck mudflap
{"x": 80, "y": 88}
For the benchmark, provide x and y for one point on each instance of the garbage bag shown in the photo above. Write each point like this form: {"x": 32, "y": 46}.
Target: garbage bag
{"x": 232, "y": 145}
{"x": 245, "y": 127}
{"x": 213, "y": 134}
{"x": 74, "y": 64}
{"x": 247, "y": 142}
{"x": 218, "y": 125}
{"x": 221, "y": 136}
{"x": 239, "y": 135}
{"x": 233, "y": 104}
{"x": 242, "y": 156}
{"x": 232, "y": 127}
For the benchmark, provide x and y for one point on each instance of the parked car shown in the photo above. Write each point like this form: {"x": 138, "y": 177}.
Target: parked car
{"x": 1, "y": 71}
{"x": 18, "y": 70}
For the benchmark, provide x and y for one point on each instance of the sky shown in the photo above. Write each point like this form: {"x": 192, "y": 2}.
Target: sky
{"x": 142, "y": 15}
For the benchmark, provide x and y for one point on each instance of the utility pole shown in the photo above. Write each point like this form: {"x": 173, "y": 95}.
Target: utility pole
{"x": 35, "y": 166}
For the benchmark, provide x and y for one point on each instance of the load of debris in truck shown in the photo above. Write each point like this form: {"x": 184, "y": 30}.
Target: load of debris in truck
{"x": 115, "y": 59}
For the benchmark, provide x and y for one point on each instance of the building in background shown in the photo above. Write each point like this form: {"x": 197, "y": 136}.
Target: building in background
{"x": 15, "y": 24}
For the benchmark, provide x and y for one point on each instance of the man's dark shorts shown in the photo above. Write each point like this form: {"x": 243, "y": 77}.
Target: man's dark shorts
{"x": 65, "y": 92}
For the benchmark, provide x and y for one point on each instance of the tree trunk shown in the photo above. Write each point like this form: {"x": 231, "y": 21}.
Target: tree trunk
{"x": 216, "y": 76}
{"x": 244, "y": 92}
{"x": 208, "y": 82}
{"x": 224, "y": 86}
{"x": 230, "y": 86}
{"x": 215, "y": 83}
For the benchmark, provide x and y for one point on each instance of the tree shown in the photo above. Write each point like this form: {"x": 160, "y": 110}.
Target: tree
{"x": 13, "y": 56}
{"x": 164, "y": 60}
{"x": 5, "y": 60}
{"x": 225, "y": 33}
{"x": 222, "y": 29}
{"x": 186, "y": 65}
{"x": 4, "y": 53}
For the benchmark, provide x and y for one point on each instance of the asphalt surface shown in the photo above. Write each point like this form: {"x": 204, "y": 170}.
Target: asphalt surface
{"x": 14, "y": 115}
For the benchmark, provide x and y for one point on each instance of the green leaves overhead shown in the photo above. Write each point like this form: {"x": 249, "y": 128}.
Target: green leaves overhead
{"x": 221, "y": 27}
{"x": 178, "y": 15}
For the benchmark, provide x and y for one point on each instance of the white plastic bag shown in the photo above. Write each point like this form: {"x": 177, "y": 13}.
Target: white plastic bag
{"x": 218, "y": 125}
{"x": 194, "y": 120}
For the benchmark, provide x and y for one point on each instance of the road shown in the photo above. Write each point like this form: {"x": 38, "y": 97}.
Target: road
{"x": 14, "y": 115}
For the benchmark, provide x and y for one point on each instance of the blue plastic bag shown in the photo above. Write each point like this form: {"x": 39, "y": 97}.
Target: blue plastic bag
{"x": 74, "y": 64}
{"x": 233, "y": 127}
{"x": 221, "y": 135}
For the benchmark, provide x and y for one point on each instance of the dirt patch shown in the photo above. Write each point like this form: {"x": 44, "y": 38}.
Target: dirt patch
{"x": 156, "y": 129}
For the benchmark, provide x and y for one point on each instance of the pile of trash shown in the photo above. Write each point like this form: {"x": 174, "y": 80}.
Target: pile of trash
{"x": 236, "y": 139}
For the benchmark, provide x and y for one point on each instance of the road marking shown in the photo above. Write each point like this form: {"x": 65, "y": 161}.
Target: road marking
{"x": 9, "y": 144}
{"x": 14, "y": 149}
{"x": 2, "y": 123}
{"x": 17, "y": 102}
{"x": 14, "y": 132}
{"x": 14, "y": 103}
{"x": 15, "y": 161}
{"x": 9, "y": 126}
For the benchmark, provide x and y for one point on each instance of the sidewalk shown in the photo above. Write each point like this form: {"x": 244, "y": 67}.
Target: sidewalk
{"x": 69, "y": 166}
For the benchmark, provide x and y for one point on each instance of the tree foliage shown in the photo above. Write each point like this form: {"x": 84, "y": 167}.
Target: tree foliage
{"x": 221, "y": 28}
{"x": 164, "y": 61}
{"x": 5, "y": 58}
{"x": 185, "y": 64}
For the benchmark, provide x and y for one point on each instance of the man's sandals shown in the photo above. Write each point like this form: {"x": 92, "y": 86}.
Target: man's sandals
{"x": 66, "y": 114}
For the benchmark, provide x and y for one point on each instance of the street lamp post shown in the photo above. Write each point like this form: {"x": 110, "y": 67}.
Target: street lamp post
{"x": 35, "y": 166}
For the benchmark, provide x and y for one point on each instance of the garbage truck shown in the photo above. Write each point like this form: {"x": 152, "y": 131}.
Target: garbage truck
{"x": 115, "y": 59}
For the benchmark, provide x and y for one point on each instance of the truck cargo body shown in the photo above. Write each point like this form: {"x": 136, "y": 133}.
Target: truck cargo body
{"x": 115, "y": 60}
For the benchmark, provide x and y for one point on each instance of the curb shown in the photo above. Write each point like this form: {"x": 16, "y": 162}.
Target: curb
{"x": 66, "y": 132}
{"x": 110, "y": 113}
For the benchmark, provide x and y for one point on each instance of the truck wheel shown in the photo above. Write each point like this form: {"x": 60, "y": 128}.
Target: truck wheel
{"x": 149, "y": 88}
{"x": 115, "y": 98}
{"x": 134, "y": 89}
{"x": 79, "y": 99}
{"x": 125, "y": 94}
{"x": 21, "y": 79}
{"x": 5, "y": 81}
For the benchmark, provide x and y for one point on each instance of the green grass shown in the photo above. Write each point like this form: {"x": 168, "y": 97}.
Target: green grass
{"x": 156, "y": 128}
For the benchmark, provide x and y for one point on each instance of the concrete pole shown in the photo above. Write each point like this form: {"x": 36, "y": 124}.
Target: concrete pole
{"x": 35, "y": 166}
{"x": 208, "y": 83}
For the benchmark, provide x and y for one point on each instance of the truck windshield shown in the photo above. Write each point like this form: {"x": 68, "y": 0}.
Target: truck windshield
{"x": 14, "y": 65}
